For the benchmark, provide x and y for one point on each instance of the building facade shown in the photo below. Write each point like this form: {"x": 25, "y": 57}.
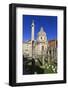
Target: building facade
{"x": 41, "y": 46}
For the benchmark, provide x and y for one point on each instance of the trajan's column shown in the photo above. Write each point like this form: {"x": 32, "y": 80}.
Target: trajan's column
{"x": 32, "y": 37}
{"x": 32, "y": 34}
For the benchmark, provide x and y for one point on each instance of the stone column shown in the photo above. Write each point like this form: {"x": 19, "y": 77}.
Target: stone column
{"x": 32, "y": 39}
{"x": 48, "y": 57}
{"x": 32, "y": 34}
{"x": 43, "y": 62}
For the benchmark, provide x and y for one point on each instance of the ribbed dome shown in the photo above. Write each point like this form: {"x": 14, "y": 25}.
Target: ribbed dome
{"x": 41, "y": 31}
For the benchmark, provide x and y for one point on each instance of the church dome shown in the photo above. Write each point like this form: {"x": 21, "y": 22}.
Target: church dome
{"x": 41, "y": 32}
{"x": 41, "y": 35}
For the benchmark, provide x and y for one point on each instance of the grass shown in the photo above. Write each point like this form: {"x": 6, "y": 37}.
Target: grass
{"x": 47, "y": 68}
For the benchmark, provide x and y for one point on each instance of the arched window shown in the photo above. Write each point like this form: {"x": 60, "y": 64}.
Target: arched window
{"x": 41, "y": 37}
{"x": 42, "y": 48}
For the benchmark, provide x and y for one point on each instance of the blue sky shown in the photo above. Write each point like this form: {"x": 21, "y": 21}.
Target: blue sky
{"x": 49, "y": 23}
